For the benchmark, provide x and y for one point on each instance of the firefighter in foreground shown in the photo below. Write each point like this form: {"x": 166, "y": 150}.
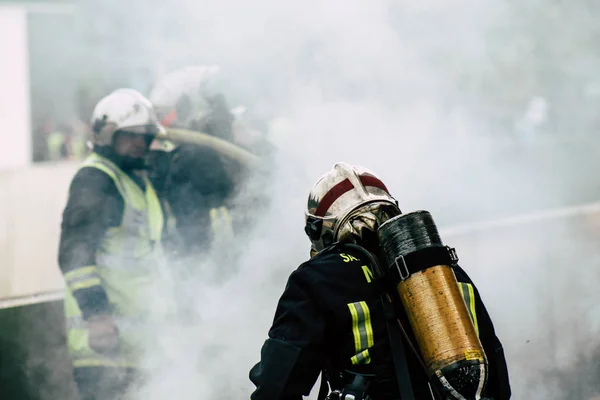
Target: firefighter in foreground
{"x": 331, "y": 319}
{"x": 110, "y": 248}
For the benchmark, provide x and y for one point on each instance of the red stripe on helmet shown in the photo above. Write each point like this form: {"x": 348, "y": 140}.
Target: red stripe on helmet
{"x": 330, "y": 197}
{"x": 343, "y": 187}
{"x": 372, "y": 181}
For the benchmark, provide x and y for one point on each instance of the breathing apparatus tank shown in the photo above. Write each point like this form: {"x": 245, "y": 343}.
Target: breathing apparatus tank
{"x": 446, "y": 336}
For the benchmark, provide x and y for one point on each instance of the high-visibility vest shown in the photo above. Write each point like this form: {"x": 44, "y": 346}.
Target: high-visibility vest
{"x": 129, "y": 267}
{"x": 55, "y": 143}
{"x": 78, "y": 147}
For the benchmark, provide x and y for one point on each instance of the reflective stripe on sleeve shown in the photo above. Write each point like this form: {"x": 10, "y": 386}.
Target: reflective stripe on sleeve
{"x": 362, "y": 331}
{"x": 82, "y": 278}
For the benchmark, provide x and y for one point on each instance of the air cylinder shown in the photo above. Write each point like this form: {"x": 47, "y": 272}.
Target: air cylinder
{"x": 446, "y": 336}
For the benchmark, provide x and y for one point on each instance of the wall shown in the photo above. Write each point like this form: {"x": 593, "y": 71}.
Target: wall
{"x": 14, "y": 92}
{"x": 34, "y": 363}
{"x": 31, "y": 204}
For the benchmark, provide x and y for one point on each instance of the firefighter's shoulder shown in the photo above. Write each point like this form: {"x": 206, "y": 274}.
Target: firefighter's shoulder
{"x": 91, "y": 179}
{"x": 339, "y": 263}
{"x": 333, "y": 258}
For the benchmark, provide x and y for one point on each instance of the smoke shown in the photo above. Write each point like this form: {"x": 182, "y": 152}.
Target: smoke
{"x": 395, "y": 86}
{"x": 349, "y": 87}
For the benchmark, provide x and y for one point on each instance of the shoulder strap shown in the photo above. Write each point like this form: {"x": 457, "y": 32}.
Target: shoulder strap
{"x": 394, "y": 334}
{"x": 398, "y": 351}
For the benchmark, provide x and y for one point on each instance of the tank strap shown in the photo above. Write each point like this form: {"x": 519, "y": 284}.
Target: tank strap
{"x": 405, "y": 266}
{"x": 357, "y": 389}
{"x": 395, "y": 335}
{"x": 398, "y": 351}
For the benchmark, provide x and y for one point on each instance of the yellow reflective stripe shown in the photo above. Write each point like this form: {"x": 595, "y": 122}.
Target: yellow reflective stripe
{"x": 368, "y": 326}
{"x": 362, "y": 331}
{"x": 213, "y": 219}
{"x": 85, "y": 284}
{"x": 468, "y": 294}
{"x": 82, "y": 278}
{"x": 355, "y": 331}
{"x": 226, "y": 215}
{"x": 472, "y": 307}
{"x": 95, "y": 362}
{"x": 81, "y": 272}
{"x": 219, "y": 216}
{"x": 361, "y": 358}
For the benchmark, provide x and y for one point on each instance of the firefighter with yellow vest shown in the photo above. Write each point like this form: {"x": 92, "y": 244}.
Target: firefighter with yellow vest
{"x": 110, "y": 249}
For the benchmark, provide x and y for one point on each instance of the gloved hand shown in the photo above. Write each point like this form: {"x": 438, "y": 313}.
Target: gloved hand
{"x": 103, "y": 334}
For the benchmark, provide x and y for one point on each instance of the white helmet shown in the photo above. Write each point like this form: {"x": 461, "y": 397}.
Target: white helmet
{"x": 345, "y": 201}
{"x": 183, "y": 95}
{"x": 123, "y": 110}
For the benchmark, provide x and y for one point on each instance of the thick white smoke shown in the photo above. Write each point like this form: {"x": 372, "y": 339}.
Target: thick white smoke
{"x": 384, "y": 84}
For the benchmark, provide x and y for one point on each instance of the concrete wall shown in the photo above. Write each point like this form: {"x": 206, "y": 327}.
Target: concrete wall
{"x": 14, "y": 92}
{"x": 31, "y": 204}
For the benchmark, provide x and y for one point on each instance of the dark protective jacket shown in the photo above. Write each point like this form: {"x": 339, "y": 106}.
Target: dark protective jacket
{"x": 330, "y": 318}
{"x": 194, "y": 181}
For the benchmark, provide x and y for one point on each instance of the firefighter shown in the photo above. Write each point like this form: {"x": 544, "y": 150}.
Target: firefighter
{"x": 110, "y": 248}
{"x": 330, "y": 320}
{"x": 200, "y": 183}
{"x": 194, "y": 179}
